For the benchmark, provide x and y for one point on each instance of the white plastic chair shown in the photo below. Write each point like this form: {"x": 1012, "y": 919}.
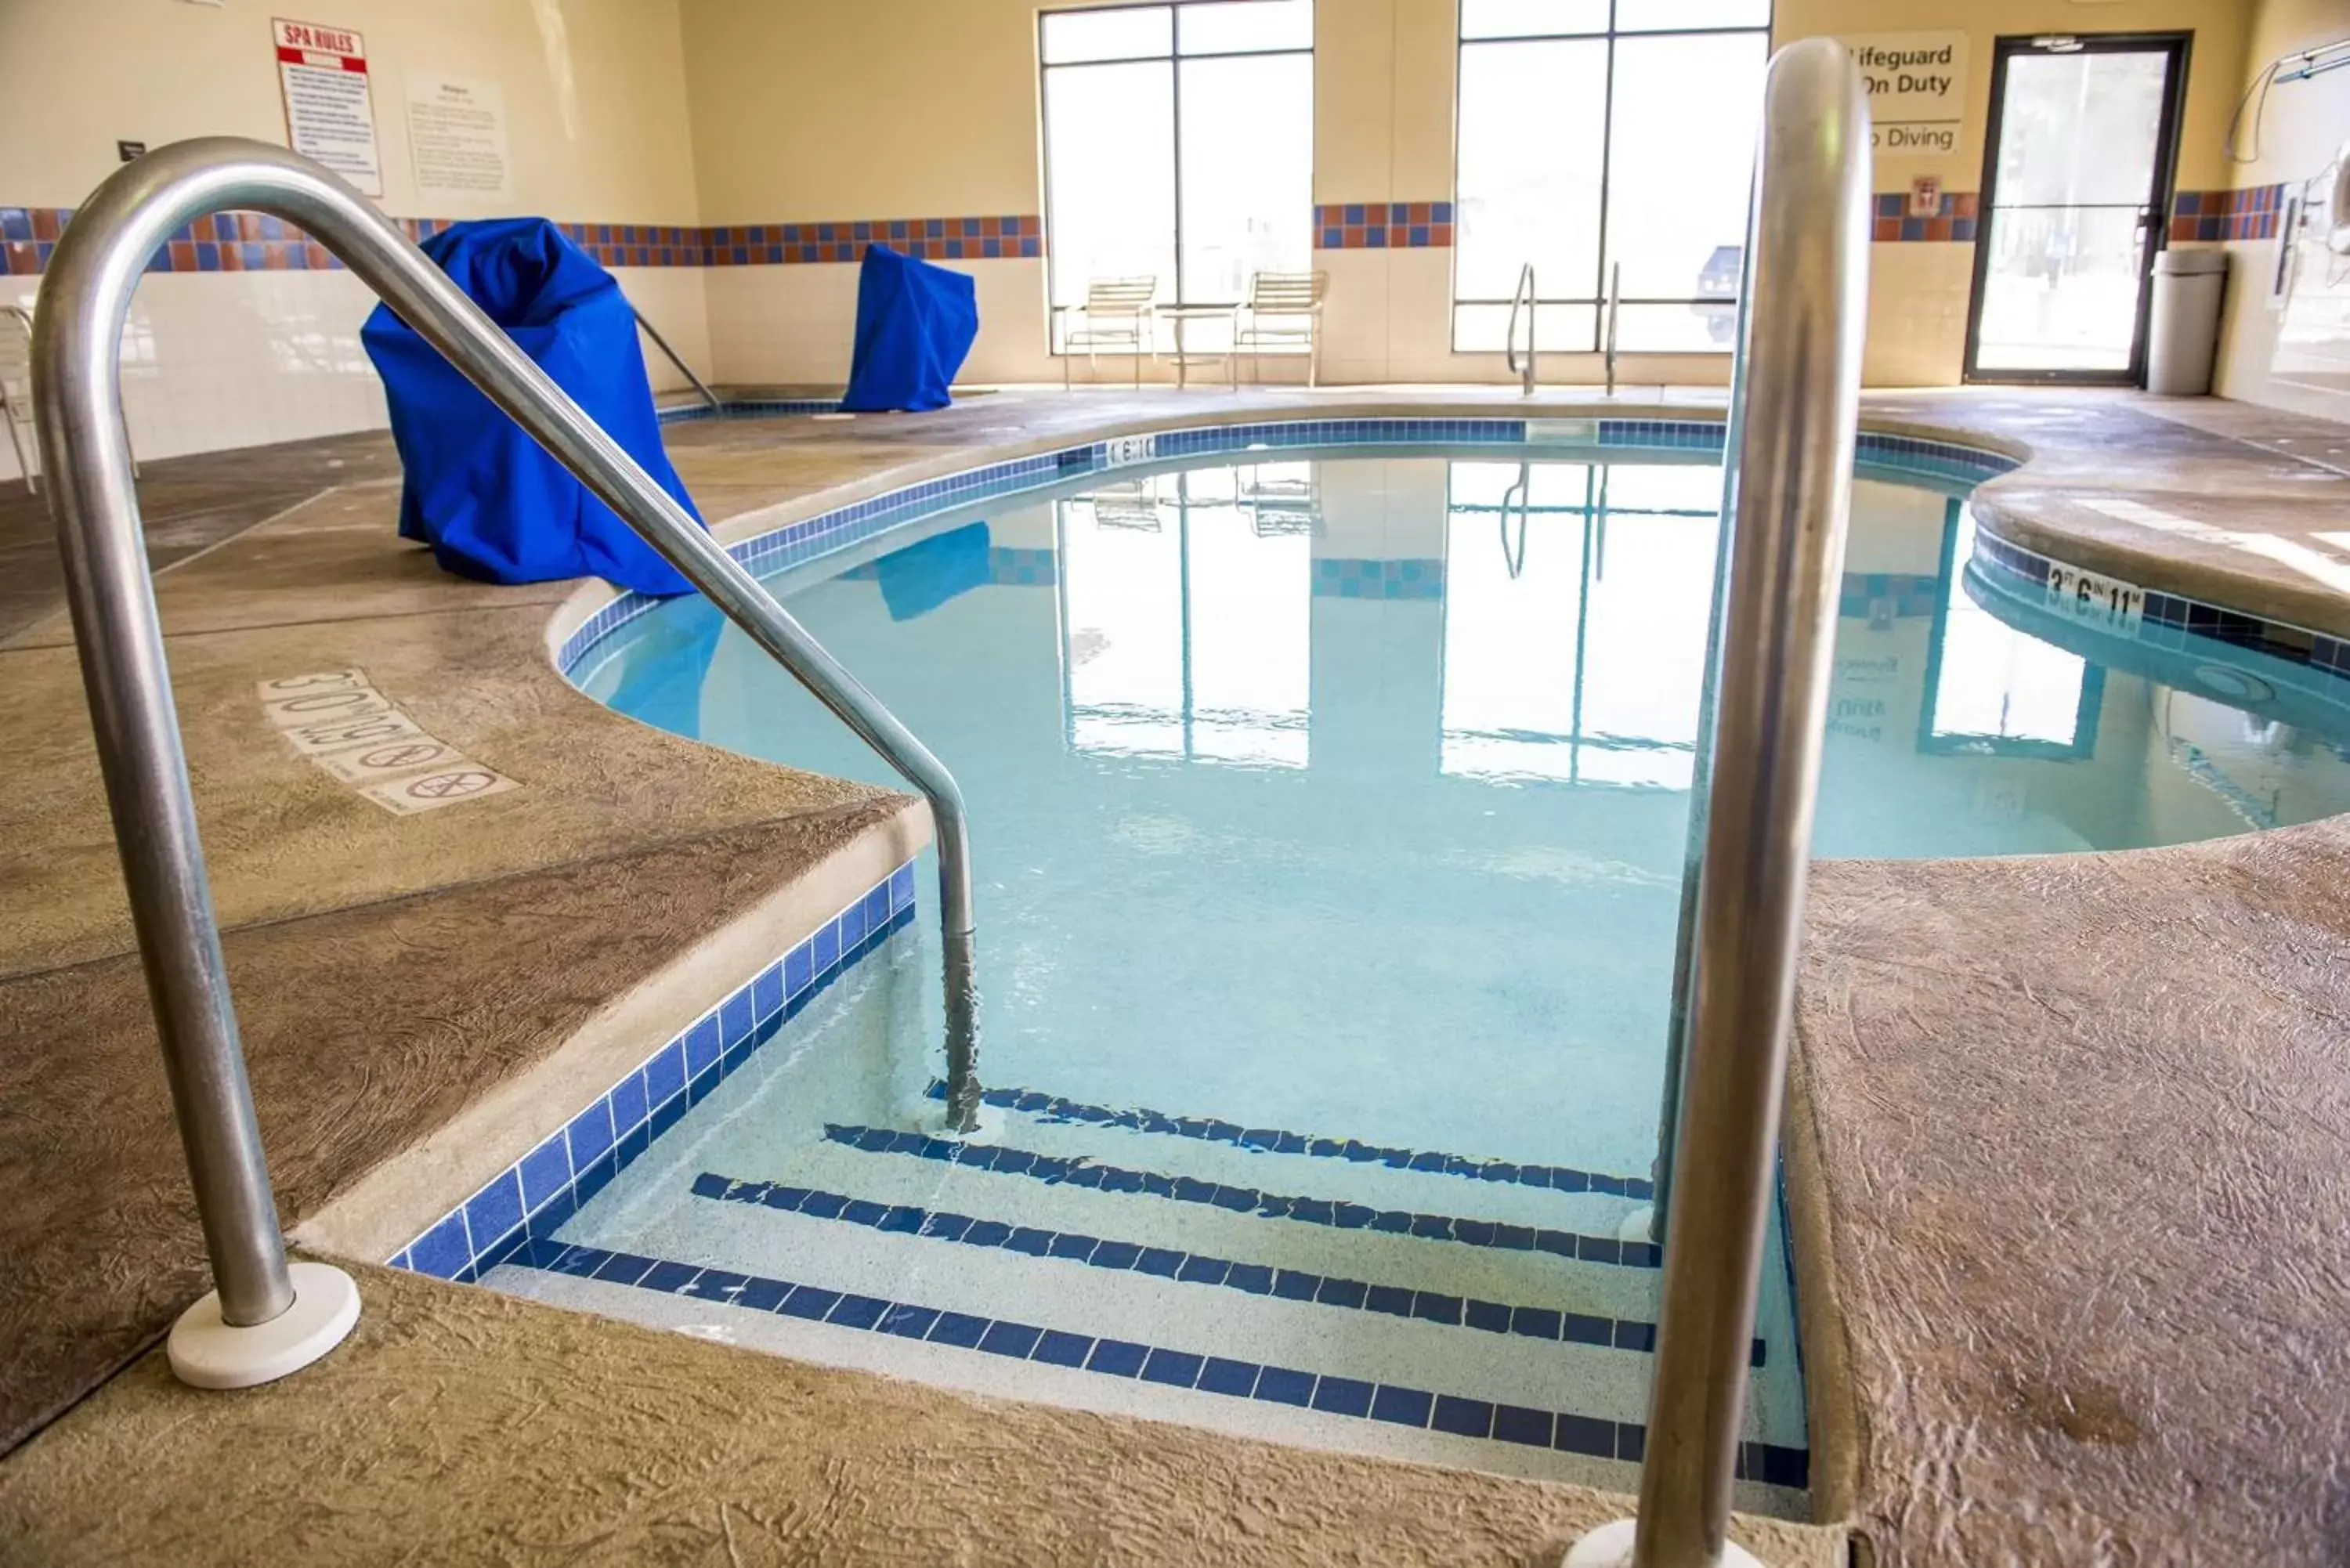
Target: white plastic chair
{"x": 16, "y": 393}
{"x": 1115, "y": 314}
{"x": 1284, "y": 313}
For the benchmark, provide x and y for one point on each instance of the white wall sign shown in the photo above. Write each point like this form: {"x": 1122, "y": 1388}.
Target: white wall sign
{"x": 1917, "y": 90}
{"x": 329, "y": 114}
{"x": 457, "y": 136}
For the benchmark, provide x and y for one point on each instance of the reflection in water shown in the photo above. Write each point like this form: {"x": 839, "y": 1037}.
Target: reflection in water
{"x": 1993, "y": 690}
{"x": 1185, "y": 615}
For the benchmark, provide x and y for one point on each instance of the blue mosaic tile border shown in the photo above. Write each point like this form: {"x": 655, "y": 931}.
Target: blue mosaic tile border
{"x": 1008, "y": 565}
{"x": 1196, "y": 1268}
{"x": 1075, "y": 1170}
{"x": 534, "y": 1195}
{"x": 1347, "y": 577}
{"x": 746, "y": 408}
{"x": 1276, "y": 1140}
{"x": 2169, "y": 620}
{"x": 826, "y": 531}
{"x": 1593, "y": 1437}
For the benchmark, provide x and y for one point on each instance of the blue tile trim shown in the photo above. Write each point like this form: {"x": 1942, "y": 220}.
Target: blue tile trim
{"x": 1079, "y": 1171}
{"x": 1199, "y": 1268}
{"x": 534, "y": 1195}
{"x": 2170, "y": 619}
{"x": 1587, "y": 1435}
{"x": 746, "y": 408}
{"x": 806, "y": 540}
{"x": 1277, "y": 1140}
{"x": 1351, "y": 578}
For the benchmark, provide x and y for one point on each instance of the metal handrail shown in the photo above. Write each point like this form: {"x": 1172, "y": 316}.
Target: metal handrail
{"x": 1797, "y": 406}
{"x": 677, "y": 360}
{"x": 1614, "y": 312}
{"x": 85, "y": 299}
{"x": 1522, "y": 294}
{"x": 1514, "y": 562}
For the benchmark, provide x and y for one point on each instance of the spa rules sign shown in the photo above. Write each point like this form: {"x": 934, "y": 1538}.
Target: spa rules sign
{"x": 1915, "y": 87}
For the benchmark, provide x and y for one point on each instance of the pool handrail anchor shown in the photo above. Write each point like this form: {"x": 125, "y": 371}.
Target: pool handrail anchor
{"x": 264, "y": 1319}
{"x": 1795, "y": 408}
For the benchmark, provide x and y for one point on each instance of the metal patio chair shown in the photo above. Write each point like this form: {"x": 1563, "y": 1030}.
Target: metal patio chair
{"x": 16, "y": 394}
{"x": 1284, "y": 313}
{"x": 1117, "y": 316}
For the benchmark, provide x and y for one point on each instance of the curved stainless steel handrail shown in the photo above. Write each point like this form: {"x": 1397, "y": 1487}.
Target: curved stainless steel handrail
{"x": 1796, "y": 406}
{"x": 677, "y": 360}
{"x": 78, "y": 331}
{"x": 1523, "y": 293}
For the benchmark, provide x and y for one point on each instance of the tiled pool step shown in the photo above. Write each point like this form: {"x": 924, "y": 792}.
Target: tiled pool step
{"x": 1049, "y": 1107}
{"x": 1377, "y": 1183}
{"x": 1206, "y": 1270}
{"x": 1398, "y": 1259}
{"x": 739, "y": 1294}
{"x": 1338, "y": 1214}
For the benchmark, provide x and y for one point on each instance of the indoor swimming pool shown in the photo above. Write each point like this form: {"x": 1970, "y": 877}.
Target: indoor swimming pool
{"x": 1329, "y": 816}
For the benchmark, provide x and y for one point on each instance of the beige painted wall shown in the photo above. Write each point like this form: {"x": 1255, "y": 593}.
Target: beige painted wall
{"x": 597, "y": 131}
{"x": 2303, "y": 126}
{"x": 850, "y": 109}
{"x": 594, "y": 90}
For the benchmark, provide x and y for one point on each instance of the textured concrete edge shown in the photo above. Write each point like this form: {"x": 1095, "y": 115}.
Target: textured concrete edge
{"x": 146, "y": 1470}
{"x": 385, "y": 1208}
{"x": 1837, "y": 1424}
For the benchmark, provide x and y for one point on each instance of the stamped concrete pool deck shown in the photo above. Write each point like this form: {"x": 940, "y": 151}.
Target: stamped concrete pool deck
{"x": 2066, "y": 1142}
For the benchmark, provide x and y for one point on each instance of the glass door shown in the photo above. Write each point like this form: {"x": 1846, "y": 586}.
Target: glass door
{"x": 2076, "y": 179}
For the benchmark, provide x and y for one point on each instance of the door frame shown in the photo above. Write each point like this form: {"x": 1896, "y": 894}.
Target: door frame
{"x": 2177, "y": 46}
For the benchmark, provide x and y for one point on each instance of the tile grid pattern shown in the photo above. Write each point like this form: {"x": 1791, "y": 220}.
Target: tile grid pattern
{"x": 745, "y": 408}
{"x": 1056, "y": 1170}
{"x": 2170, "y": 619}
{"x": 2250, "y": 214}
{"x": 534, "y": 1195}
{"x": 826, "y": 531}
{"x": 1591, "y": 1436}
{"x": 1382, "y": 225}
{"x": 256, "y": 241}
{"x": 1047, "y": 1108}
{"x": 1195, "y": 1267}
{"x": 1954, "y": 219}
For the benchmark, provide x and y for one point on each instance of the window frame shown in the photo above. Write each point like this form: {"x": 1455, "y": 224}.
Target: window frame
{"x": 1174, "y": 58}
{"x": 1596, "y": 301}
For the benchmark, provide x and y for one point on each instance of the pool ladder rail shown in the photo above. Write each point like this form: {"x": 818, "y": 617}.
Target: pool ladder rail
{"x": 265, "y": 1319}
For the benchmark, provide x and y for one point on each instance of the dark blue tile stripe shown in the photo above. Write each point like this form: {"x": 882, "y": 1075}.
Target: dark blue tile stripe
{"x": 538, "y": 1192}
{"x": 2170, "y": 619}
{"x": 1077, "y": 1171}
{"x": 1587, "y": 1435}
{"x": 819, "y": 536}
{"x": 1278, "y": 1140}
{"x": 1196, "y": 1268}
{"x": 745, "y": 408}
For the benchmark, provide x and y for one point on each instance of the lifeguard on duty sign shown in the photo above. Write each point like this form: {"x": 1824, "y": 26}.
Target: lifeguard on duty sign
{"x": 1917, "y": 90}
{"x": 329, "y": 112}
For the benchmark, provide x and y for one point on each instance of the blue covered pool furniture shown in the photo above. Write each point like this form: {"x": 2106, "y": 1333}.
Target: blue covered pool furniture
{"x": 488, "y": 499}
{"x": 1117, "y": 316}
{"x": 1283, "y": 313}
{"x": 915, "y": 324}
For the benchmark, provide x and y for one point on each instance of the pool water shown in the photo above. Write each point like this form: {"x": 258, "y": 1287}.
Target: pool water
{"x": 1328, "y": 820}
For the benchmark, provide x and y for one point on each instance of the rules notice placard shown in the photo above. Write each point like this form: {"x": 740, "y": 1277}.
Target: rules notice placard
{"x": 329, "y": 113}
{"x": 1917, "y": 86}
{"x": 457, "y": 137}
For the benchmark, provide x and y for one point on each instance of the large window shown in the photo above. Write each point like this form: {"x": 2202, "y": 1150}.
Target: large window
{"x": 1179, "y": 145}
{"x": 1599, "y": 135}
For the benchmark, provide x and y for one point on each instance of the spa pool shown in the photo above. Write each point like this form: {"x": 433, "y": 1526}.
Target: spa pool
{"x": 1328, "y": 813}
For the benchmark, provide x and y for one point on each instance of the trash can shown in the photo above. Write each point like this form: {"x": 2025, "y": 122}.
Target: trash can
{"x": 2184, "y": 334}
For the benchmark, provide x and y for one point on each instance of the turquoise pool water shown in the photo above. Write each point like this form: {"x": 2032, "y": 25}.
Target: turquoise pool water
{"x": 1344, "y": 800}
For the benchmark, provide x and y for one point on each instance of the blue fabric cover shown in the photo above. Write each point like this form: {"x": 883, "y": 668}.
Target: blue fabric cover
{"x": 921, "y": 577}
{"x": 915, "y": 323}
{"x": 489, "y": 501}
